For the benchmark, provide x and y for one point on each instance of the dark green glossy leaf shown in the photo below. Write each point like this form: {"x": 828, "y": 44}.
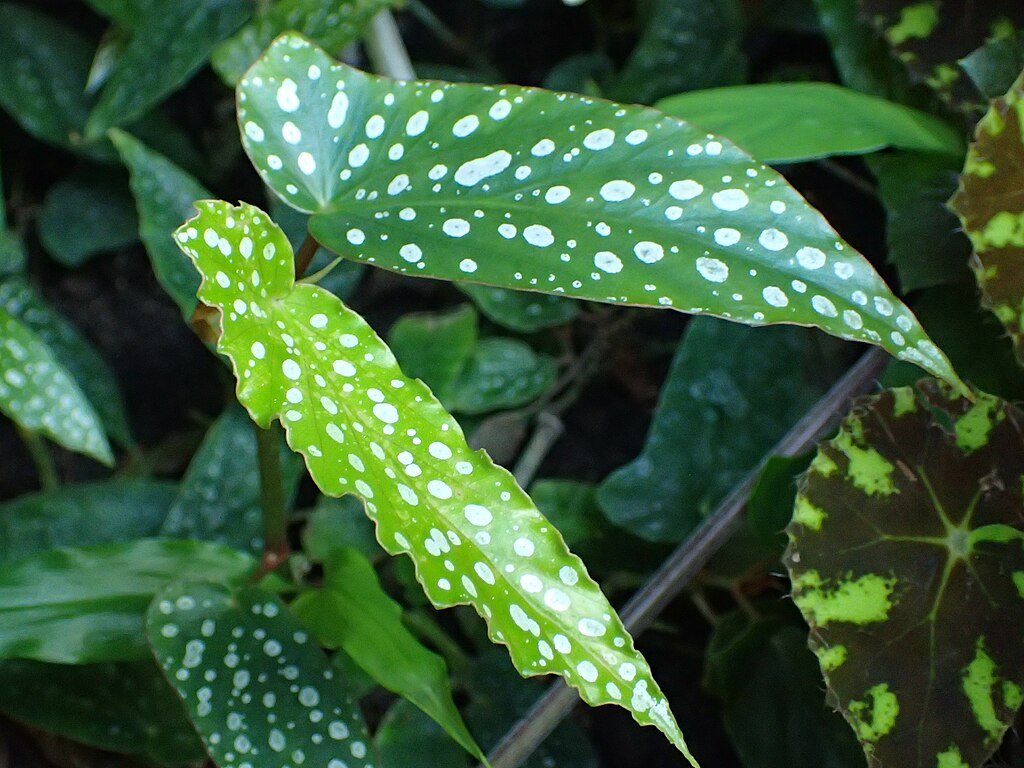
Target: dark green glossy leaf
{"x": 924, "y": 240}
{"x": 732, "y": 392}
{"x": 219, "y": 496}
{"x": 86, "y": 604}
{"x": 994, "y": 66}
{"x": 332, "y": 23}
{"x": 125, "y": 707}
{"x": 500, "y": 373}
{"x": 90, "y": 371}
{"x": 353, "y": 613}
{"x": 127, "y": 13}
{"x": 258, "y": 691}
{"x": 571, "y": 506}
{"x": 163, "y": 195}
{"x": 992, "y": 212}
{"x": 38, "y": 393}
{"x": 907, "y": 562}
{"x": 527, "y": 189}
{"x": 180, "y": 36}
{"x": 522, "y": 311}
{"x": 335, "y": 524}
{"x": 793, "y": 122}
{"x": 82, "y": 515}
{"x": 84, "y": 215}
{"x": 770, "y": 689}
{"x": 770, "y": 506}
{"x": 408, "y": 738}
{"x": 365, "y": 428}
{"x": 434, "y": 346}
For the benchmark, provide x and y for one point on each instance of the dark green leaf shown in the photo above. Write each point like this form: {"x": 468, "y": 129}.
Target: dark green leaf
{"x": 82, "y": 605}
{"x": 571, "y": 506}
{"x": 127, "y": 13}
{"x": 771, "y": 502}
{"x": 793, "y": 122}
{"x": 12, "y": 253}
{"x": 332, "y": 23}
{"x": 353, "y": 613}
{"x": 167, "y": 46}
{"x": 257, "y": 690}
{"x": 123, "y": 707}
{"x": 434, "y": 346}
{"x": 907, "y": 562}
{"x": 407, "y": 738}
{"x": 527, "y": 189}
{"x": 90, "y": 371}
{"x": 82, "y": 515}
{"x": 522, "y": 311}
{"x": 163, "y": 195}
{"x": 335, "y": 524}
{"x": 86, "y": 214}
{"x": 994, "y": 66}
{"x": 500, "y": 373}
{"x": 732, "y": 392}
{"x": 686, "y": 45}
{"x": 219, "y": 496}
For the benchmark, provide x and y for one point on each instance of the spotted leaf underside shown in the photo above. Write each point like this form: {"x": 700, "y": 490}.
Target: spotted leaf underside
{"x": 991, "y": 208}
{"x": 907, "y": 563}
{"x": 931, "y": 37}
{"x": 364, "y": 428}
{"x": 557, "y": 193}
{"x": 258, "y": 689}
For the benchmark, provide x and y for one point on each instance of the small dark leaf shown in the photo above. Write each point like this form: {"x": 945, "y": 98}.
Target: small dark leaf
{"x": 499, "y": 373}
{"x": 522, "y": 311}
{"x": 434, "y": 346}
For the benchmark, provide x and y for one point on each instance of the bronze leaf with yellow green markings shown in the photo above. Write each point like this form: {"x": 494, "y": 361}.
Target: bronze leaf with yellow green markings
{"x": 990, "y": 204}
{"x": 907, "y": 560}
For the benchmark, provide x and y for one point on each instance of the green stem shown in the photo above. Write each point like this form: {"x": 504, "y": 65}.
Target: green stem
{"x": 275, "y": 520}
{"x": 42, "y": 458}
{"x": 386, "y": 50}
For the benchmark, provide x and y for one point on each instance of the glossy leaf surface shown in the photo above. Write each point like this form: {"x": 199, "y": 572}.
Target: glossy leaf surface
{"x": 522, "y": 311}
{"x": 990, "y": 206}
{"x": 732, "y": 392}
{"x": 258, "y": 689}
{"x": 499, "y": 373}
{"x": 907, "y": 561}
{"x": 557, "y": 193}
{"x": 300, "y": 355}
{"x": 434, "y": 346}
{"x": 793, "y": 122}
{"x": 353, "y": 613}
{"x": 38, "y": 393}
{"x": 86, "y": 604}
{"x": 125, "y": 707}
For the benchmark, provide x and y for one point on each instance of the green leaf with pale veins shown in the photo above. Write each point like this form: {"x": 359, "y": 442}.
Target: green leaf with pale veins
{"x": 990, "y": 207}
{"x": 332, "y": 23}
{"x": 301, "y": 356}
{"x": 557, "y": 193}
{"x": 352, "y": 612}
{"x": 86, "y": 604}
{"x": 163, "y": 196}
{"x": 38, "y": 393}
{"x": 257, "y": 688}
{"x": 907, "y": 560}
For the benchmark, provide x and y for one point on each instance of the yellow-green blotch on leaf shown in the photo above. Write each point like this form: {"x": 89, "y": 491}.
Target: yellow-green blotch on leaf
{"x": 863, "y": 600}
{"x": 979, "y": 682}
{"x": 875, "y": 716}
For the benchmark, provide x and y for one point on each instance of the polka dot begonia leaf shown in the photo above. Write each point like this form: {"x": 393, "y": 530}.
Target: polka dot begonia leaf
{"x": 907, "y": 562}
{"x": 365, "y": 428}
{"x": 558, "y": 193}
{"x": 39, "y": 394}
{"x": 258, "y": 689}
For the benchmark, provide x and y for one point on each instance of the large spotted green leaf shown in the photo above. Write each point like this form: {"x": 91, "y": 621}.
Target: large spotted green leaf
{"x": 907, "y": 559}
{"x": 991, "y": 208}
{"x": 365, "y": 428}
{"x": 558, "y": 193}
{"x": 256, "y": 686}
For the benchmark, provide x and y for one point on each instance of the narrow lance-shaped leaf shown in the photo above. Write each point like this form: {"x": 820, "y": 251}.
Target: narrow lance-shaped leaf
{"x": 475, "y": 537}
{"x": 558, "y": 193}
{"x": 907, "y": 559}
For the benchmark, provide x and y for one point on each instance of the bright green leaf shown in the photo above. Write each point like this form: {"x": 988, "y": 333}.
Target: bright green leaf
{"x": 434, "y": 346}
{"x": 166, "y": 47}
{"x": 125, "y": 707}
{"x": 907, "y": 558}
{"x": 353, "y": 613}
{"x": 557, "y": 193}
{"x": 84, "y": 215}
{"x": 86, "y": 604}
{"x": 793, "y": 122}
{"x": 731, "y": 394}
{"x": 500, "y": 373}
{"x": 522, "y": 311}
{"x": 257, "y": 690}
{"x": 332, "y": 23}
{"x": 301, "y": 356}
{"x": 82, "y": 515}
{"x": 163, "y": 195}
{"x": 38, "y": 393}
{"x": 219, "y": 496}
{"x": 91, "y": 372}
